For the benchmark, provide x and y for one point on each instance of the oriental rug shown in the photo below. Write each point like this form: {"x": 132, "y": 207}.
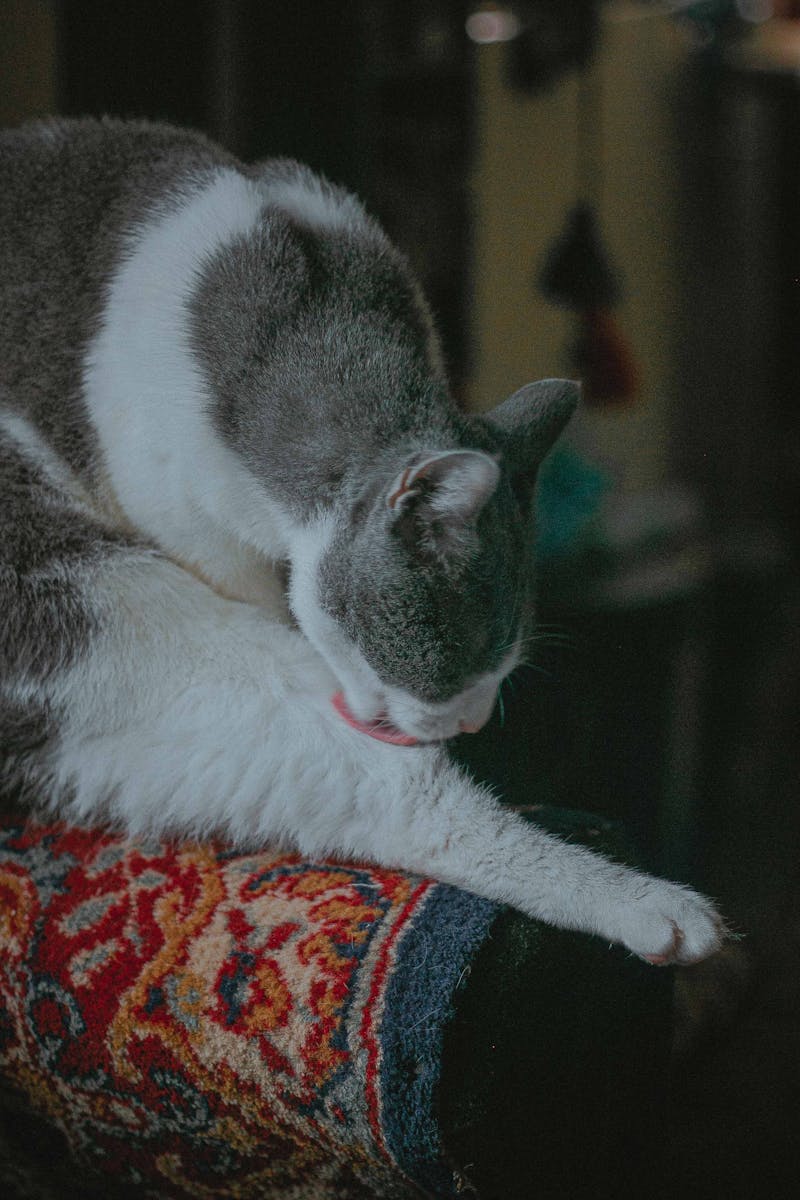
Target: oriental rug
{"x": 200, "y": 1023}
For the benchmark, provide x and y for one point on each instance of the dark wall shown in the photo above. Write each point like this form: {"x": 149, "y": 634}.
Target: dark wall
{"x": 738, "y": 435}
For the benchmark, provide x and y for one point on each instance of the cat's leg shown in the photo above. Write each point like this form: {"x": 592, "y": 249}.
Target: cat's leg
{"x": 131, "y": 690}
{"x": 429, "y": 817}
{"x": 196, "y": 715}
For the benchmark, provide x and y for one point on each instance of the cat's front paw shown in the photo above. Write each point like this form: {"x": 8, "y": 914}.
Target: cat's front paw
{"x": 668, "y": 923}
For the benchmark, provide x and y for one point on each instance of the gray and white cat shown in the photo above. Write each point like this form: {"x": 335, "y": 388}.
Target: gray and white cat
{"x": 233, "y": 483}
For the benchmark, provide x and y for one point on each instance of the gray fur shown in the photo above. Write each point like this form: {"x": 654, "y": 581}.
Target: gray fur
{"x": 69, "y": 190}
{"x": 325, "y": 378}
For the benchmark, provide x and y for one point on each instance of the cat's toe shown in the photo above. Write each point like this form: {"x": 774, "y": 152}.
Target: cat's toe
{"x": 670, "y": 953}
{"x": 675, "y": 925}
{"x": 703, "y": 936}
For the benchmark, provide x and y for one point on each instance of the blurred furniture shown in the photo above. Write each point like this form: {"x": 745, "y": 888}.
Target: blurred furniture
{"x": 737, "y": 435}
{"x": 180, "y": 1020}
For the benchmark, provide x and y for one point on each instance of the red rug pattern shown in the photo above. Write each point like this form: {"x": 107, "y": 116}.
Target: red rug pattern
{"x": 200, "y": 1022}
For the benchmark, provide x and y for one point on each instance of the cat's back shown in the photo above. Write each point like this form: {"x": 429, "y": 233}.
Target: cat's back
{"x": 149, "y": 281}
{"x": 66, "y": 182}
{"x": 70, "y": 192}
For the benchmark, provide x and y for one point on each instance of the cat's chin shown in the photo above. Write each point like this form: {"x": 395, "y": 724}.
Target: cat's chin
{"x": 405, "y": 717}
{"x": 466, "y": 713}
{"x": 371, "y": 702}
{"x": 430, "y": 727}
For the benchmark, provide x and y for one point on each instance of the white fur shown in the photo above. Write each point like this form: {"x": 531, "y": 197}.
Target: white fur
{"x": 309, "y": 202}
{"x": 362, "y": 686}
{"x": 174, "y": 478}
{"x": 192, "y": 713}
{"x": 467, "y": 711}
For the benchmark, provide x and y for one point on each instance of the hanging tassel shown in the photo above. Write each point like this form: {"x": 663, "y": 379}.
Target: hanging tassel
{"x": 604, "y": 359}
{"x": 576, "y": 272}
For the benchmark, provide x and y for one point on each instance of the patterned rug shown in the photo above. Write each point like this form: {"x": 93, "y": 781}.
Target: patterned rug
{"x": 201, "y": 1023}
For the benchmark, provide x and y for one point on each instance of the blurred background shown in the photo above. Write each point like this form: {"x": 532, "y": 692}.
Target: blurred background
{"x": 609, "y": 191}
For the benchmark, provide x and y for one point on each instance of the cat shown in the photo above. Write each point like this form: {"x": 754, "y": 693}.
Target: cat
{"x": 233, "y": 486}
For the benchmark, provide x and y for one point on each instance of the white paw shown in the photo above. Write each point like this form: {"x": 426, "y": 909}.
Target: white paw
{"x": 667, "y": 923}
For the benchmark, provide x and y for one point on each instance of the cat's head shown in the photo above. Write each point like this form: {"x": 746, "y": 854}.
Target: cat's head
{"x": 418, "y": 589}
{"x": 409, "y": 525}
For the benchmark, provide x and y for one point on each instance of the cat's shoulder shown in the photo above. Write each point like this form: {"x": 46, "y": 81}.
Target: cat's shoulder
{"x": 89, "y": 158}
{"x": 57, "y": 132}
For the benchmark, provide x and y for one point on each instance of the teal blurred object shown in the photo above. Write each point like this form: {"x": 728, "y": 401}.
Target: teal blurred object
{"x": 571, "y": 491}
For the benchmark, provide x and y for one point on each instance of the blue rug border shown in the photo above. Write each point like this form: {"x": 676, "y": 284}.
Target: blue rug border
{"x": 430, "y": 964}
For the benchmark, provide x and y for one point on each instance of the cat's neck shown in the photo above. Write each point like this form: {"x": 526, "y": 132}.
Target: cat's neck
{"x": 169, "y": 472}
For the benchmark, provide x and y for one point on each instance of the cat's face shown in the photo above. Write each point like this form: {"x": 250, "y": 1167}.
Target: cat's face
{"x": 419, "y": 591}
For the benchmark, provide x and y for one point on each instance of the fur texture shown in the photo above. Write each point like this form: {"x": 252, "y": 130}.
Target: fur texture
{"x": 232, "y": 481}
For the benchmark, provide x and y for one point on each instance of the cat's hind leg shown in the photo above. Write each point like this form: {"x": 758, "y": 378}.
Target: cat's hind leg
{"x": 51, "y": 546}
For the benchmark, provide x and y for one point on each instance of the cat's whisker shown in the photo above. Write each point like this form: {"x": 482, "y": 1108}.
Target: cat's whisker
{"x": 531, "y": 666}
{"x": 555, "y": 634}
{"x": 539, "y": 640}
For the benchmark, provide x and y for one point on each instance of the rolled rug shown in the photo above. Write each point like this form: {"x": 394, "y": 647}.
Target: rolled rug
{"x": 182, "y": 1020}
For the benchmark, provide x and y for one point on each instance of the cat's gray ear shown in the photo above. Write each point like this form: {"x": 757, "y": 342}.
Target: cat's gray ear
{"x": 450, "y": 486}
{"x": 535, "y": 416}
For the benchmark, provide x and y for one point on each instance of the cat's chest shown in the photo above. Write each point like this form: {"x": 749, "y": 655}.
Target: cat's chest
{"x": 200, "y": 543}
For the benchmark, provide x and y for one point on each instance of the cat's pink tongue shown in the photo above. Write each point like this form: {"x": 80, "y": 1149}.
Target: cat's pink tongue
{"x": 380, "y": 729}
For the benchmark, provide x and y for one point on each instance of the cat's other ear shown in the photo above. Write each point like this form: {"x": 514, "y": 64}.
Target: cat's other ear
{"x": 437, "y": 499}
{"x": 534, "y": 417}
